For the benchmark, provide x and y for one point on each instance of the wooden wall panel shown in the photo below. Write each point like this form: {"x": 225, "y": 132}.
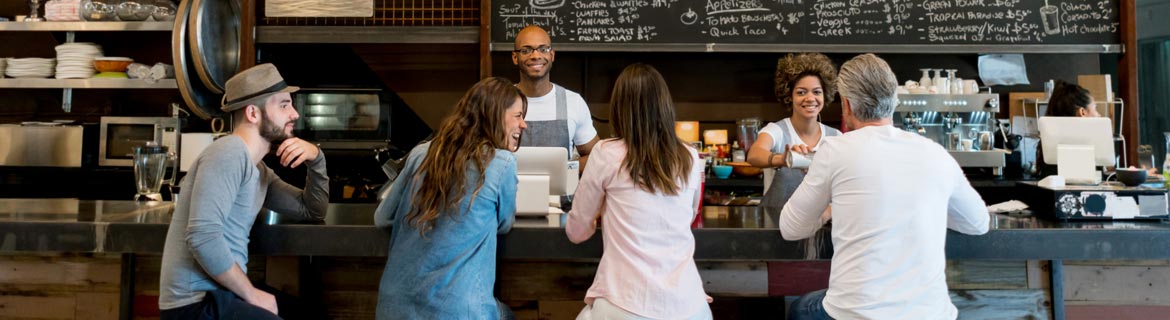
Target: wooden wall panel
{"x": 986, "y": 274}
{"x": 1001, "y": 304}
{"x": 1133, "y": 285}
{"x": 59, "y": 286}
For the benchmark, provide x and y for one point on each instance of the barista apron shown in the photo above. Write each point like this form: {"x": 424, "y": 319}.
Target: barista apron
{"x": 550, "y": 133}
{"x": 785, "y": 180}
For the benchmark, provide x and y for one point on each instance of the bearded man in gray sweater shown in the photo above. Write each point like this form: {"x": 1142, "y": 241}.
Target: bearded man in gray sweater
{"x": 204, "y": 262}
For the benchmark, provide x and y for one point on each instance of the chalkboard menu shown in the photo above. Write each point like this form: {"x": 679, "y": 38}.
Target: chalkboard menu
{"x": 917, "y": 22}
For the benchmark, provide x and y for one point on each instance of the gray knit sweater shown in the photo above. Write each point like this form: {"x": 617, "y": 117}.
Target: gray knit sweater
{"x": 221, "y": 196}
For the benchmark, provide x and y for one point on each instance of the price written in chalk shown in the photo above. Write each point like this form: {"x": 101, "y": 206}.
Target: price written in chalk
{"x": 814, "y": 21}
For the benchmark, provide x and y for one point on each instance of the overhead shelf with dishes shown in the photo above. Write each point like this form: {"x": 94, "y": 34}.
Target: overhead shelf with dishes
{"x": 80, "y": 65}
{"x": 86, "y": 84}
{"x": 87, "y": 26}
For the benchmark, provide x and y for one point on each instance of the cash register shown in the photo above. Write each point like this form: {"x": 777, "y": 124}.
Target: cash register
{"x": 1077, "y": 146}
{"x": 545, "y": 175}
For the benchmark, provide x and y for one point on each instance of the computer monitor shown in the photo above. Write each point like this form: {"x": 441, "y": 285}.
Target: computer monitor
{"x": 1095, "y": 132}
{"x": 550, "y": 161}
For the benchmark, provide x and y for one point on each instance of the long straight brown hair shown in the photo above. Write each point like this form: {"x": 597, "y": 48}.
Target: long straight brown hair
{"x": 642, "y": 114}
{"x": 471, "y": 133}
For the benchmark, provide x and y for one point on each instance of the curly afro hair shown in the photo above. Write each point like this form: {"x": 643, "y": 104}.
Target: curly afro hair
{"x": 793, "y": 67}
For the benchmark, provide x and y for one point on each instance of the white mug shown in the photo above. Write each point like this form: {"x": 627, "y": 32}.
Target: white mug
{"x": 970, "y": 86}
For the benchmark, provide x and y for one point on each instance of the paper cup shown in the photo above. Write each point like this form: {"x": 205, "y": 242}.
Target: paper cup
{"x": 798, "y": 160}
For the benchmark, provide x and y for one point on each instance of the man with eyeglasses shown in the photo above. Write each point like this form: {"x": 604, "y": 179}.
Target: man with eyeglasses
{"x": 556, "y": 116}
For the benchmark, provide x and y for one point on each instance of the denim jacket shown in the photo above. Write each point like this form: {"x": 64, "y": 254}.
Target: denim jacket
{"x": 450, "y": 272}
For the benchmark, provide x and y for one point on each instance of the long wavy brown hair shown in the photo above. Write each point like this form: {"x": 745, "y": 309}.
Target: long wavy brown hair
{"x": 470, "y": 134}
{"x": 642, "y": 114}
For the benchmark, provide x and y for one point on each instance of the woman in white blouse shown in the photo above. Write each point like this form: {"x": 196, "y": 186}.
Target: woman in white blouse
{"x": 805, "y": 83}
{"x": 643, "y": 186}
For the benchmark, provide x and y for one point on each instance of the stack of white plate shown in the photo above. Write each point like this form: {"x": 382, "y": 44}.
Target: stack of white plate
{"x": 30, "y": 67}
{"x": 75, "y": 60}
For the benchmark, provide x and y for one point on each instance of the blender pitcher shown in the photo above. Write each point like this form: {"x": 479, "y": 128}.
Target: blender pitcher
{"x": 746, "y": 131}
{"x": 150, "y": 167}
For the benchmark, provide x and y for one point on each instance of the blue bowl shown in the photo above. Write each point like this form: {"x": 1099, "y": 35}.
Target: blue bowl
{"x": 721, "y": 172}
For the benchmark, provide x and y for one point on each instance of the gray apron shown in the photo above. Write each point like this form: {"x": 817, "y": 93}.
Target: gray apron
{"x": 550, "y": 133}
{"x": 784, "y": 182}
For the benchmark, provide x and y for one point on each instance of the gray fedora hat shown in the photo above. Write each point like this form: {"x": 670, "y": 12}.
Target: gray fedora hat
{"x": 258, "y": 81}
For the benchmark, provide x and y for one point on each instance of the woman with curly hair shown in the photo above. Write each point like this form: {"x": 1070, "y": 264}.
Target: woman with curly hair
{"x": 805, "y": 83}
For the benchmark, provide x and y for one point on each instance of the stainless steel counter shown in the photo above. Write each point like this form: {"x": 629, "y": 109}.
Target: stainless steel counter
{"x": 730, "y": 233}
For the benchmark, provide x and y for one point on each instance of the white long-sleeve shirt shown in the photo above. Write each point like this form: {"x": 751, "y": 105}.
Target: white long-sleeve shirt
{"x": 893, "y": 194}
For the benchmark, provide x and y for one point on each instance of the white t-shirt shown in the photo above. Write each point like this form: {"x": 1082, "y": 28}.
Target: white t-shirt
{"x": 779, "y": 143}
{"x": 544, "y": 108}
{"x": 894, "y": 195}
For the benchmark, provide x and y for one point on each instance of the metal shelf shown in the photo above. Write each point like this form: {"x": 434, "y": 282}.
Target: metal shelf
{"x": 87, "y": 26}
{"x": 87, "y": 84}
{"x": 356, "y": 34}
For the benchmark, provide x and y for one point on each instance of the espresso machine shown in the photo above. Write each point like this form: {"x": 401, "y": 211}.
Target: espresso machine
{"x": 963, "y": 123}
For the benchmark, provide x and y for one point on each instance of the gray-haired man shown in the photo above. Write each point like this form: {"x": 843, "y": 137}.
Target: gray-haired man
{"x": 206, "y": 254}
{"x": 893, "y": 194}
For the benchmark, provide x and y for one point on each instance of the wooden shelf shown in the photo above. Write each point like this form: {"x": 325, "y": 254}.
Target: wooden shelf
{"x": 827, "y": 48}
{"x": 358, "y": 34}
{"x": 87, "y": 26}
{"x": 87, "y": 84}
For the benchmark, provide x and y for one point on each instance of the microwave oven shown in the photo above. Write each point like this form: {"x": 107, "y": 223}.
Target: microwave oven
{"x": 120, "y": 135}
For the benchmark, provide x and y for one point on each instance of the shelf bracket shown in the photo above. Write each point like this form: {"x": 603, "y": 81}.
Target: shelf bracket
{"x": 67, "y": 100}
{"x": 67, "y": 93}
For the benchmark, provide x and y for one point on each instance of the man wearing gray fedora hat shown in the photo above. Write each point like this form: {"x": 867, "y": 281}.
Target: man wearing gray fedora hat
{"x": 204, "y": 262}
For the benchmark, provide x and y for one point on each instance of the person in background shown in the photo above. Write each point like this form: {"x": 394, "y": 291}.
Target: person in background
{"x": 805, "y": 83}
{"x": 205, "y": 258}
{"x": 644, "y": 187}
{"x": 455, "y": 194}
{"x": 894, "y": 195}
{"x": 1067, "y": 100}
{"x": 556, "y": 116}
{"x": 1071, "y": 100}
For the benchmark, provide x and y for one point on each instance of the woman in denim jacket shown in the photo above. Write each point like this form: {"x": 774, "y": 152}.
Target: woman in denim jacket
{"x": 456, "y": 193}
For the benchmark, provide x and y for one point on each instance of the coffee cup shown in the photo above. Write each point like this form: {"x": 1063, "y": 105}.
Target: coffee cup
{"x": 798, "y": 160}
{"x": 970, "y": 86}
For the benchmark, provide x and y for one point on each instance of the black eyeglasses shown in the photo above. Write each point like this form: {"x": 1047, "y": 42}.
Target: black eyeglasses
{"x": 529, "y": 50}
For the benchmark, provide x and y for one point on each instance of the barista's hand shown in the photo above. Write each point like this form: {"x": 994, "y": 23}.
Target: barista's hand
{"x": 802, "y": 148}
{"x": 827, "y": 215}
{"x": 294, "y": 151}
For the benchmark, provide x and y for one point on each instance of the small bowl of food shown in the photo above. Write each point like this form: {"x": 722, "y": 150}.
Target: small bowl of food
{"x": 112, "y": 64}
{"x": 1131, "y": 176}
{"x": 744, "y": 169}
{"x": 721, "y": 171}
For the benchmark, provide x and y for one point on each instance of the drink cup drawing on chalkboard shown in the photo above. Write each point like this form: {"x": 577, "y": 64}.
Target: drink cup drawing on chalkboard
{"x": 546, "y": 4}
{"x": 1051, "y": 18}
{"x": 689, "y": 17}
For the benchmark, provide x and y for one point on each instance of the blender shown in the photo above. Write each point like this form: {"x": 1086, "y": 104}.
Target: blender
{"x": 150, "y": 167}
